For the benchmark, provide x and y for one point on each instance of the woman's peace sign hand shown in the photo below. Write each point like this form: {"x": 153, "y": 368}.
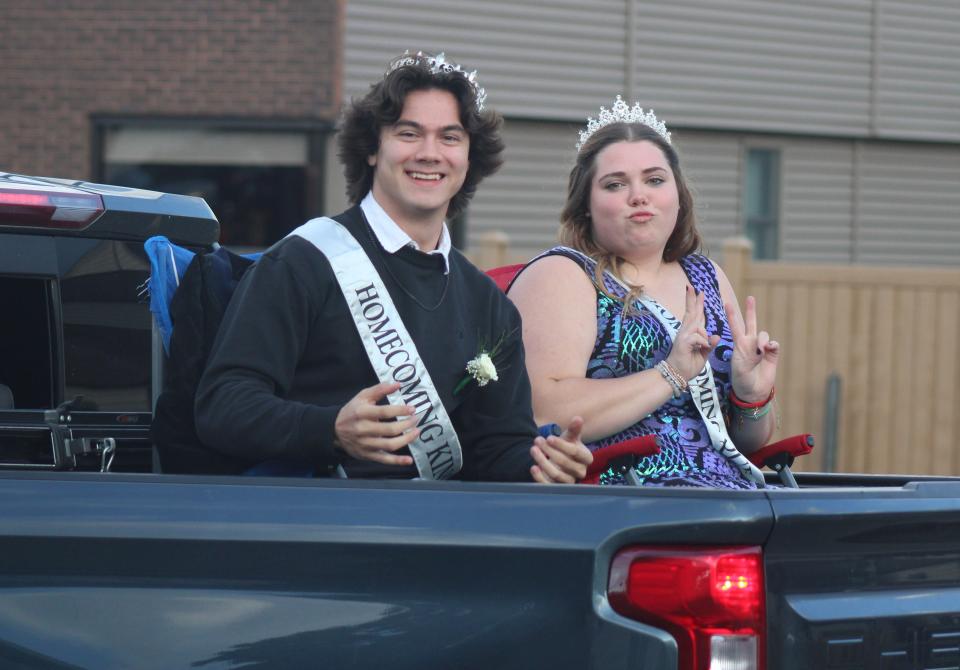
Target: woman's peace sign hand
{"x": 753, "y": 368}
{"x": 692, "y": 345}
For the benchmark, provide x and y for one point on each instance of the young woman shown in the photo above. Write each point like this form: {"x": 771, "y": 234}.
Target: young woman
{"x": 628, "y": 327}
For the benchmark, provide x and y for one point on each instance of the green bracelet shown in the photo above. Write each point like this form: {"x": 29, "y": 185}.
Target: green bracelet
{"x": 752, "y": 413}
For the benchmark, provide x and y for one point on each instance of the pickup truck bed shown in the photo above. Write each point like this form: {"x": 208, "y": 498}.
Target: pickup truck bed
{"x": 149, "y": 571}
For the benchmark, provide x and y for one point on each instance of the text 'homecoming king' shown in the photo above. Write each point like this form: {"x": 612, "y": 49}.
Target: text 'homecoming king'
{"x": 392, "y": 352}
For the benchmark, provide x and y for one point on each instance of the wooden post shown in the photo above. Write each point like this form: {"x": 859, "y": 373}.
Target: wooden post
{"x": 491, "y": 250}
{"x": 737, "y": 255}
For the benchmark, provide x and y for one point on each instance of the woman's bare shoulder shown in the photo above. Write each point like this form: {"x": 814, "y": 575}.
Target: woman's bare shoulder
{"x": 554, "y": 274}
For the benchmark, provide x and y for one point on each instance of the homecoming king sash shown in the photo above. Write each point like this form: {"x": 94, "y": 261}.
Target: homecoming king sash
{"x": 703, "y": 389}
{"x": 393, "y": 355}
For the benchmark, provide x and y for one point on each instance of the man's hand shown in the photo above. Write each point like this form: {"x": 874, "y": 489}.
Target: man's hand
{"x": 370, "y": 432}
{"x": 563, "y": 459}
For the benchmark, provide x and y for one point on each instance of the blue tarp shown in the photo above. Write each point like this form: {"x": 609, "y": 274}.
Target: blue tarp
{"x": 168, "y": 263}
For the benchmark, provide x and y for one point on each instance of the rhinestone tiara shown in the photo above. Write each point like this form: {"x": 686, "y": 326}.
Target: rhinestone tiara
{"x": 438, "y": 64}
{"x": 622, "y": 113}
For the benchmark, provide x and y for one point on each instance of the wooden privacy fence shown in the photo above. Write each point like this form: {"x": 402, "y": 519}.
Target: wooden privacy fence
{"x": 889, "y": 335}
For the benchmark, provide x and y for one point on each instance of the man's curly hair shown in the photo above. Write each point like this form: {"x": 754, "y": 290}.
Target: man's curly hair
{"x": 381, "y": 107}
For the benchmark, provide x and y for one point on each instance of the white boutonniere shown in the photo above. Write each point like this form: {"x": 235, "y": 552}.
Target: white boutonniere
{"x": 482, "y": 368}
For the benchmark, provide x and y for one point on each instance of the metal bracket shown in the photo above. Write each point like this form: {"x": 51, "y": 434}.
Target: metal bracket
{"x": 105, "y": 447}
{"x": 67, "y": 448}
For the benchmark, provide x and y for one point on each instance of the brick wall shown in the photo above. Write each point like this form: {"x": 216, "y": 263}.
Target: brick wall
{"x": 66, "y": 60}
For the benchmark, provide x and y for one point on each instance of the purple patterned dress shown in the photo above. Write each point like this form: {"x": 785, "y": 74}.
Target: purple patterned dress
{"x": 629, "y": 344}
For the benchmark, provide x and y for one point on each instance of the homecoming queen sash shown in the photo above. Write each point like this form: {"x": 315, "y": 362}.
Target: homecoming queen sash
{"x": 393, "y": 355}
{"x": 703, "y": 389}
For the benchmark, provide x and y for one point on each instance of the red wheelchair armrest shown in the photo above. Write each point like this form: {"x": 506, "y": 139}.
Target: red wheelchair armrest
{"x": 504, "y": 274}
{"x": 776, "y": 456}
{"x": 645, "y": 445}
{"x": 781, "y": 454}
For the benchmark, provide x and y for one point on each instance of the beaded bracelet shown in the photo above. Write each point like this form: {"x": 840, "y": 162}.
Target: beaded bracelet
{"x": 754, "y": 411}
{"x": 674, "y": 378}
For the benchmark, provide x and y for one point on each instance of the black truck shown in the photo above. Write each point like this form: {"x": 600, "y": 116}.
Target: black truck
{"x": 107, "y": 562}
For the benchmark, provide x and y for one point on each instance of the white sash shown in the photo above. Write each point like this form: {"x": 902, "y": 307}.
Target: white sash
{"x": 703, "y": 390}
{"x": 392, "y": 352}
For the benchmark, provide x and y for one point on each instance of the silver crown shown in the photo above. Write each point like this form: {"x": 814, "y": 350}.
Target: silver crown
{"x": 622, "y": 113}
{"x": 438, "y": 64}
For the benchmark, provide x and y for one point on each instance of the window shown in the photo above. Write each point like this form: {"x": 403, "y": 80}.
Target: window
{"x": 26, "y": 349}
{"x": 257, "y": 182}
{"x": 106, "y": 330}
{"x": 761, "y": 202}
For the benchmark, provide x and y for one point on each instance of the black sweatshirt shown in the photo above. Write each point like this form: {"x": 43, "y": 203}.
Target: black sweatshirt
{"x": 288, "y": 357}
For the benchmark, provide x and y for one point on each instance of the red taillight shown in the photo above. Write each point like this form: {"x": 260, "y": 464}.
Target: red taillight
{"x": 711, "y": 599}
{"x": 48, "y": 209}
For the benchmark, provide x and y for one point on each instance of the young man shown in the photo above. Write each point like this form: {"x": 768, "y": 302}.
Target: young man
{"x": 366, "y": 341}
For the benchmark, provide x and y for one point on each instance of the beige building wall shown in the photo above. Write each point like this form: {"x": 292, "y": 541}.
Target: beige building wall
{"x": 858, "y": 96}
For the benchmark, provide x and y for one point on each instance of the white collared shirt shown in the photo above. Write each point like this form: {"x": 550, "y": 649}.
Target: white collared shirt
{"x": 392, "y": 237}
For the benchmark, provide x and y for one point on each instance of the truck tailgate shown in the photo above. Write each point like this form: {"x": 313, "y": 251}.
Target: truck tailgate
{"x": 157, "y": 572}
{"x": 865, "y": 578}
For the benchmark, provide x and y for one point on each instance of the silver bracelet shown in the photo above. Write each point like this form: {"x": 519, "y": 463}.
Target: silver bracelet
{"x": 674, "y": 378}
{"x": 681, "y": 382}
